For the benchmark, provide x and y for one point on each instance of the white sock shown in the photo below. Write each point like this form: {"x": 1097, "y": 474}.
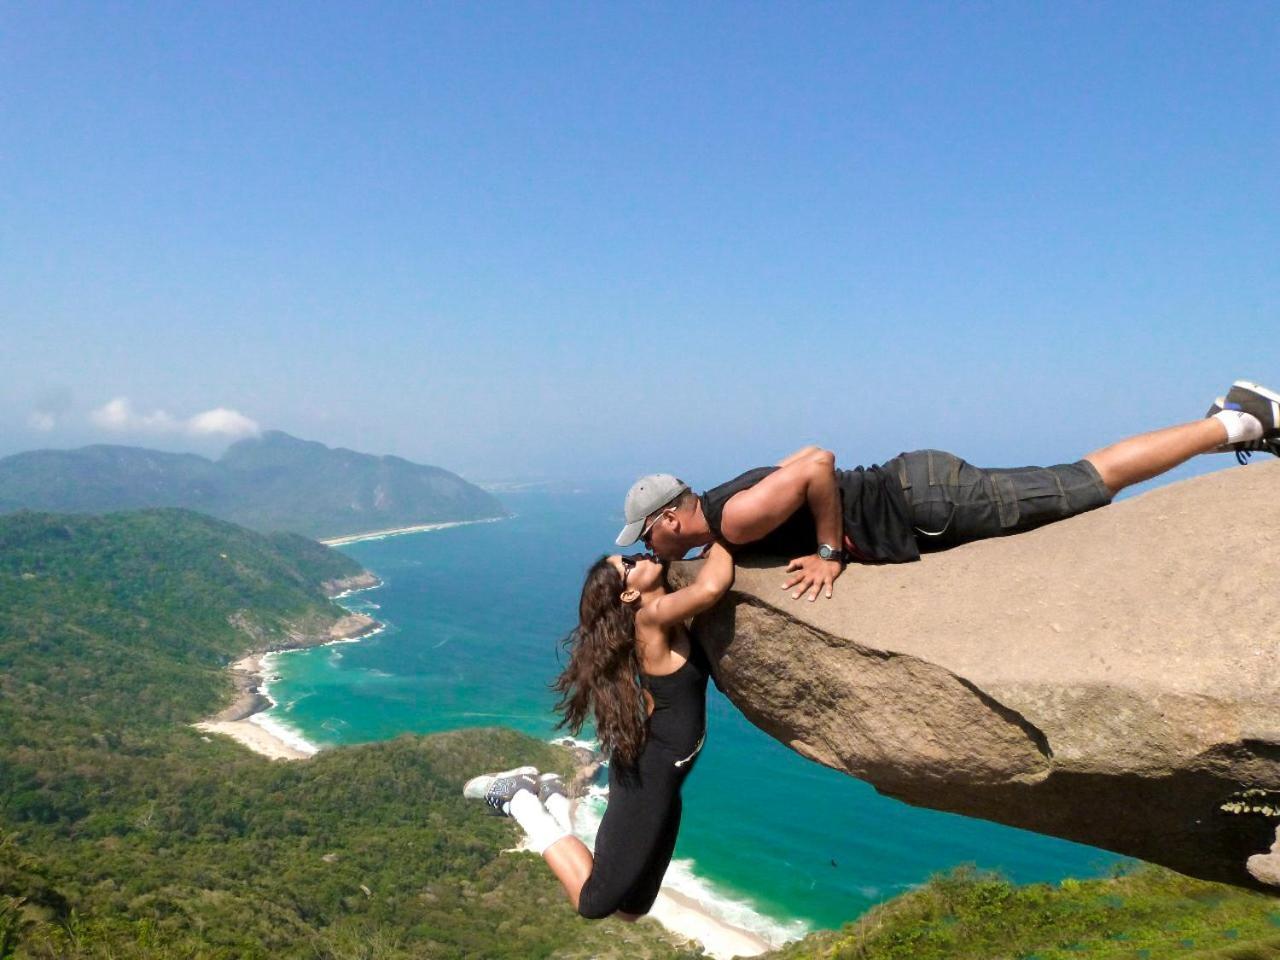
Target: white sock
{"x": 539, "y": 826}
{"x": 1240, "y": 425}
{"x": 559, "y": 807}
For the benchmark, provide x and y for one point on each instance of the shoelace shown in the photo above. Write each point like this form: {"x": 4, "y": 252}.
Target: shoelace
{"x": 504, "y": 788}
{"x": 1245, "y": 450}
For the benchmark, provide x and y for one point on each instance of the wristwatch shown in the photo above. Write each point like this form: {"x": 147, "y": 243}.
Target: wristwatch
{"x": 828, "y": 552}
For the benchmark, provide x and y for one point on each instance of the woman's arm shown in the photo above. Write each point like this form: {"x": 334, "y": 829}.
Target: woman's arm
{"x": 713, "y": 582}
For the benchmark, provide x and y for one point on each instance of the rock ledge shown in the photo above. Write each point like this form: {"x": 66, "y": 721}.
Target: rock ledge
{"x": 1113, "y": 679}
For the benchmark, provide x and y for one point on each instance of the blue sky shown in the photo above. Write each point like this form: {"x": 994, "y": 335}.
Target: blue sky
{"x": 590, "y": 240}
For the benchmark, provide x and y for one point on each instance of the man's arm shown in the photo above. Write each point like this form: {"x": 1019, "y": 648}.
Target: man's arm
{"x": 808, "y": 477}
{"x": 801, "y": 454}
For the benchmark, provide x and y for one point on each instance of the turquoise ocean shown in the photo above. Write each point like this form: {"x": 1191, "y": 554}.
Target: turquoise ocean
{"x": 474, "y": 617}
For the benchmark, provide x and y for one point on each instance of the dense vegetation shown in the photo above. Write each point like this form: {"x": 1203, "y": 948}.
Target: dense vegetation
{"x": 270, "y": 482}
{"x": 1148, "y": 914}
{"x": 122, "y": 622}
{"x": 125, "y": 833}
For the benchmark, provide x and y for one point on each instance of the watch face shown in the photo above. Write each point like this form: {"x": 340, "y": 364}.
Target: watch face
{"x": 825, "y": 551}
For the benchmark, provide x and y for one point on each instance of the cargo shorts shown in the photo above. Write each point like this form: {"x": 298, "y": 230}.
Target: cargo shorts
{"x": 953, "y": 502}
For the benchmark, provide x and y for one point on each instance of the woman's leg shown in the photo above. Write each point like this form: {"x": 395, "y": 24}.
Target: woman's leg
{"x": 635, "y": 839}
{"x": 571, "y": 862}
{"x": 634, "y": 827}
{"x": 1150, "y": 454}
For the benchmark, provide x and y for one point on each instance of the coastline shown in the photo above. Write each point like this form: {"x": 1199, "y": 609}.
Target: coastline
{"x": 245, "y": 720}
{"x": 400, "y": 531}
{"x": 236, "y": 721}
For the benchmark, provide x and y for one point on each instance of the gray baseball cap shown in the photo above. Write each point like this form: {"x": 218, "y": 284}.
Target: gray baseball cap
{"x": 647, "y": 495}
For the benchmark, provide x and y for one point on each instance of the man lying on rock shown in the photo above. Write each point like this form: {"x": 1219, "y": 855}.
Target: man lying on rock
{"x": 921, "y": 501}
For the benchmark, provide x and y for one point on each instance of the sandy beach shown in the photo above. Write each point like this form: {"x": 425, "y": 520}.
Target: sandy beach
{"x": 236, "y": 720}
{"x": 686, "y": 917}
{"x": 256, "y": 738}
{"x": 399, "y": 531}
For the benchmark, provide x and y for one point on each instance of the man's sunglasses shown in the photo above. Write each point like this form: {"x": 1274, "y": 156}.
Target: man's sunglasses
{"x": 648, "y": 528}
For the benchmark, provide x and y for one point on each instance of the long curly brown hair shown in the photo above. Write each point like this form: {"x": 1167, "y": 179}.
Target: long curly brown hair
{"x": 603, "y": 675}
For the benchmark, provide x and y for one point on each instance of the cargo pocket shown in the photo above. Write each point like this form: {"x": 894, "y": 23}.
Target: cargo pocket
{"x": 1005, "y": 494}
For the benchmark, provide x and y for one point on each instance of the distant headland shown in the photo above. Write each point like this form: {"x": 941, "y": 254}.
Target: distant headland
{"x": 270, "y": 482}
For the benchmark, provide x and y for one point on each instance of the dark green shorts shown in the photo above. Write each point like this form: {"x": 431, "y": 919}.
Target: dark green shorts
{"x": 953, "y": 502}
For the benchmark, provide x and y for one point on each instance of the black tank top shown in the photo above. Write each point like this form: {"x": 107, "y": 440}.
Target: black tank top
{"x": 876, "y": 518}
{"x": 679, "y": 718}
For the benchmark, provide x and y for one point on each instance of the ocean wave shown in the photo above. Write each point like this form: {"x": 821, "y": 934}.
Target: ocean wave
{"x": 381, "y": 628}
{"x": 284, "y": 732}
{"x": 567, "y": 741}
{"x": 354, "y": 590}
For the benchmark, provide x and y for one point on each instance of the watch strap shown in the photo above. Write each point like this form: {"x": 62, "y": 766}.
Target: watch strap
{"x": 828, "y": 552}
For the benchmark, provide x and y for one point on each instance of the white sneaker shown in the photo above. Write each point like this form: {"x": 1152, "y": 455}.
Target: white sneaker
{"x": 1245, "y": 448}
{"x": 550, "y": 784}
{"x": 497, "y": 789}
{"x": 1258, "y": 400}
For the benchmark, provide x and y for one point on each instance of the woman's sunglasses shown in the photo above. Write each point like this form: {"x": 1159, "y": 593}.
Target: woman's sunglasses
{"x": 628, "y": 564}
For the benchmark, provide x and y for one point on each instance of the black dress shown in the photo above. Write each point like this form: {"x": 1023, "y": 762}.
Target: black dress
{"x": 638, "y": 833}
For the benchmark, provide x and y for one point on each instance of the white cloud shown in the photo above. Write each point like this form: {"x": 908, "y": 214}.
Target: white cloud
{"x": 50, "y": 408}
{"x": 42, "y": 420}
{"x": 220, "y": 420}
{"x": 118, "y": 416}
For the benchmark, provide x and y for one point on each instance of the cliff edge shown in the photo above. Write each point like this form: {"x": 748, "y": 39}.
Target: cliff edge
{"x": 1113, "y": 679}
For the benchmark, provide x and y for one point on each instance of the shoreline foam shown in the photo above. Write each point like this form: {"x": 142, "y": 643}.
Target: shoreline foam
{"x": 401, "y": 531}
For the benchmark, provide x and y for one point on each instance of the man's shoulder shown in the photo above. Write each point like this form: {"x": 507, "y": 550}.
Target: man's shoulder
{"x": 744, "y": 480}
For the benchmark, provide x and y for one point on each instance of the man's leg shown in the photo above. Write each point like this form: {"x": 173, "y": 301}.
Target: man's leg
{"x": 953, "y": 502}
{"x": 1248, "y": 414}
{"x": 1150, "y": 454}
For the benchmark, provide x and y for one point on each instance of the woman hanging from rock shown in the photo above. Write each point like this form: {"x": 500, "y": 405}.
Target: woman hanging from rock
{"x": 635, "y": 671}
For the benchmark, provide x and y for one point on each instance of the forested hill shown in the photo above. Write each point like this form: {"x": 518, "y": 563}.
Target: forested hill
{"x": 150, "y": 596}
{"x": 269, "y": 482}
{"x": 125, "y": 833}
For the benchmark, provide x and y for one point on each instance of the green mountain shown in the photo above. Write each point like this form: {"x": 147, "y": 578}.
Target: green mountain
{"x": 125, "y": 833}
{"x": 269, "y": 482}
